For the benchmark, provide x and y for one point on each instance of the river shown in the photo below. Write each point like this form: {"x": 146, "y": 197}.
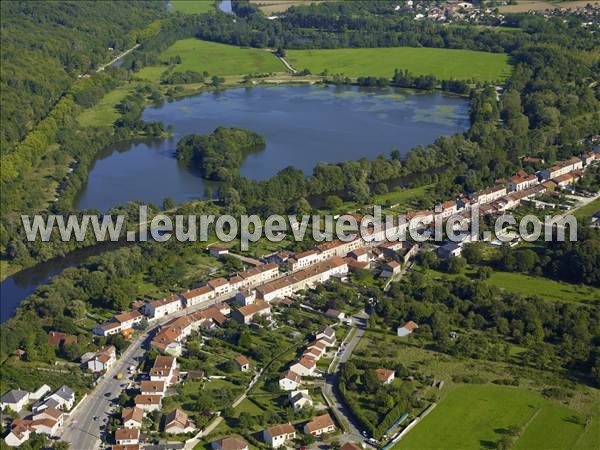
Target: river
{"x": 302, "y": 125}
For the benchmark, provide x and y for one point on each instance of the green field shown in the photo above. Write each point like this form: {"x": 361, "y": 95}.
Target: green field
{"x": 381, "y": 62}
{"x": 544, "y": 288}
{"x": 588, "y": 210}
{"x": 192, "y": 6}
{"x": 104, "y": 113}
{"x": 216, "y": 59}
{"x": 477, "y": 416}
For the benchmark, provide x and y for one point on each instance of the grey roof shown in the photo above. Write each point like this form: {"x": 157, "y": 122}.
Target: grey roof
{"x": 65, "y": 393}
{"x": 14, "y": 396}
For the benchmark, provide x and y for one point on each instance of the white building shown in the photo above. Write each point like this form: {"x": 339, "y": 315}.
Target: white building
{"x": 103, "y": 360}
{"x": 15, "y": 399}
{"x": 127, "y": 436}
{"x": 163, "y": 307}
{"x": 289, "y": 381}
{"x": 562, "y": 168}
{"x": 197, "y": 296}
{"x": 522, "y": 181}
{"x": 305, "y": 367}
{"x": 277, "y": 435}
{"x": 300, "y": 399}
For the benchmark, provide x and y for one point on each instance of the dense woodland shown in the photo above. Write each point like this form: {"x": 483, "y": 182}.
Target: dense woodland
{"x": 47, "y": 45}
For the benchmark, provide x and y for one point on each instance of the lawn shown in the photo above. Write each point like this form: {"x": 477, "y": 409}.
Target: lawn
{"x": 402, "y": 197}
{"x": 192, "y": 6}
{"x": 104, "y": 113}
{"x": 443, "y": 63}
{"x": 476, "y": 416}
{"x": 219, "y": 59}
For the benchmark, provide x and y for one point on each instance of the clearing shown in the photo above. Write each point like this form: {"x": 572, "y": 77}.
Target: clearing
{"x": 476, "y": 416}
{"x": 441, "y": 62}
{"x": 104, "y": 113}
{"x": 192, "y": 6}
{"x": 540, "y": 5}
{"x": 217, "y": 59}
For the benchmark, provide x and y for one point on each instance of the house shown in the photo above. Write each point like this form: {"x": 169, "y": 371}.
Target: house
{"x": 320, "y": 425}
{"x": 64, "y": 397}
{"x": 164, "y": 369}
{"x": 327, "y": 336}
{"x": 407, "y": 328}
{"x": 335, "y": 314}
{"x": 171, "y": 335}
{"x": 218, "y": 252}
{"x": 165, "y": 306}
{"x": 17, "y": 435}
{"x": 149, "y": 387}
{"x": 219, "y": 285}
{"x": 390, "y": 269}
{"x": 148, "y": 402}
{"x": 385, "y": 376}
{"x": 103, "y": 360}
{"x": 58, "y": 339}
{"x": 15, "y": 399}
{"x": 446, "y": 209}
{"x": 40, "y": 392}
{"x": 449, "y": 250}
{"x": 45, "y": 426}
{"x": 360, "y": 255}
{"x": 488, "y": 195}
{"x": 243, "y": 363}
{"x": 197, "y": 296}
{"x": 289, "y": 381}
{"x": 230, "y": 443}
{"x": 132, "y": 417}
{"x": 521, "y": 181}
{"x": 319, "y": 346}
{"x": 562, "y": 168}
{"x": 277, "y": 435}
{"x": 300, "y": 399}
{"x": 567, "y": 178}
{"x": 128, "y": 319}
{"x": 107, "y": 329}
{"x": 304, "y": 259}
{"x": 127, "y": 447}
{"x": 305, "y": 367}
{"x": 245, "y": 314}
{"x": 246, "y": 297}
{"x": 312, "y": 353}
{"x": 49, "y": 413}
{"x": 177, "y": 422}
{"x": 127, "y": 436}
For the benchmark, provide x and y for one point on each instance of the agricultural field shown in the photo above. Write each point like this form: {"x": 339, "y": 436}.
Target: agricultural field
{"x": 216, "y": 59}
{"x": 540, "y": 5}
{"x": 476, "y": 416}
{"x": 192, "y": 6}
{"x": 278, "y": 6}
{"x": 381, "y": 62}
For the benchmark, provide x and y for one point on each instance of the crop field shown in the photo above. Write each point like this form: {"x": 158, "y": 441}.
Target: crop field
{"x": 478, "y": 416}
{"x": 540, "y": 5}
{"x": 192, "y": 6}
{"x": 221, "y": 59}
{"x": 381, "y": 62}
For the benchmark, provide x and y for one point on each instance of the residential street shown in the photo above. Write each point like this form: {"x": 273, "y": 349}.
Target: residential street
{"x": 330, "y": 387}
{"x": 80, "y": 429}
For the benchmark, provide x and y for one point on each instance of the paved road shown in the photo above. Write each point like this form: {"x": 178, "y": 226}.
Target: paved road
{"x": 330, "y": 388}
{"x": 80, "y": 429}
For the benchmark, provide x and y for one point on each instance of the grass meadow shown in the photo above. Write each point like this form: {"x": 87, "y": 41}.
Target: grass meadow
{"x": 216, "y": 59}
{"x": 381, "y": 62}
{"x": 477, "y": 416}
{"x": 192, "y": 6}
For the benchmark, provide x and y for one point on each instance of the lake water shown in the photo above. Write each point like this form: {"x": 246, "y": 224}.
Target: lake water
{"x": 302, "y": 125}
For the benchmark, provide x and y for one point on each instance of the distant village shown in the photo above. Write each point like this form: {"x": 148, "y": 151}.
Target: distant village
{"x": 248, "y": 296}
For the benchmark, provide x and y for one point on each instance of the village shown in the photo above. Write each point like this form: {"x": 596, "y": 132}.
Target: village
{"x": 257, "y": 297}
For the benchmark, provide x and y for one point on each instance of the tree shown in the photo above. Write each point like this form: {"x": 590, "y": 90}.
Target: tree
{"x": 472, "y": 252}
{"x": 333, "y": 202}
{"x": 168, "y": 204}
{"x": 456, "y": 265}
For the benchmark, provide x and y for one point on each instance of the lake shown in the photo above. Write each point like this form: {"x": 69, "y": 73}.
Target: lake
{"x": 302, "y": 126}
